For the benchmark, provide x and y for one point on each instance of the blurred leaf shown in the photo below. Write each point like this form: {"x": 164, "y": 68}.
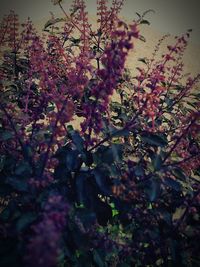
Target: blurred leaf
{"x": 5, "y": 214}
{"x": 119, "y": 133}
{"x": 102, "y": 181}
{"x": 23, "y": 168}
{"x": 69, "y": 158}
{"x": 88, "y": 218}
{"x": 138, "y": 14}
{"x": 18, "y": 184}
{"x": 2, "y": 162}
{"x": 154, "y": 139}
{"x": 142, "y": 38}
{"x": 25, "y": 220}
{"x": 139, "y": 170}
{"x": 76, "y": 138}
{"x": 51, "y": 22}
{"x": 6, "y": 135}
{"x": 144, "y": 21}
{"x": 172, "y": 183}
{"x": 153, "y": 189}
{"x": 143, "y": 60}
{"x": 108, "y": 154}
{"x": 178, "y": 172}
{"x": 83, "y": 189}
{"x": 97, "y": 259}
{"x": 157, "y": 162}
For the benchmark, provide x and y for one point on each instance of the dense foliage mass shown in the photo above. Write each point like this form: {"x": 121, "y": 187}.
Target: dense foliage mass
{"x": 123, "y": 189}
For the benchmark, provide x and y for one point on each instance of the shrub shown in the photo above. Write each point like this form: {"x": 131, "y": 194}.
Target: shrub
{"x": 124, "y": 189}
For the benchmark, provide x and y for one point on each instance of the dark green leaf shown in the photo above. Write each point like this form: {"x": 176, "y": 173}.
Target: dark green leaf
{"x": 119, "y": 133}
{"x": 142, "y": 38}
{"x": 108, "y": 154}
{"x": 143, "y": 60}
{"x": 2, "y": 162}
{"x": 25, "y": 220}
{"x": 81, "y": 189}
{"x": 23, "y": 168}
{"x": 144, "y": 21}
{"x": 102, "y": 181}
{"x": 6, "y": 135}
{"x": 51, "y": 22}
{"x": 178, "y": 172}
{"x": 154, "y": 139}
{"x": 157, "y": 162}
{"x": 77, "y": 140}
{"x": 139, "y": 170}
{"x": 97, "y": 259}
{"x": 138, "y": 14}
{"x": 172, "y": 183}
{"x": 18, "y": 184}
{"x": 153, "y": 189}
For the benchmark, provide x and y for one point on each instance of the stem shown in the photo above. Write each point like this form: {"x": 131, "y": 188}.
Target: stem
{"x": 101, "y": 142}
{"x": 181, "y": 95}
{"x": 14, "y": 130}
{"x": 70, "y": 19}
{"x": 181, "y": 161}
{"x": 178, "y": 140}
{"x": 3, "y": 35}
{"x": 51, "y": 140}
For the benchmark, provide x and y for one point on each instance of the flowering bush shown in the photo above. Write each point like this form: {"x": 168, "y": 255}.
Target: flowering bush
{"x": 123, "y": 190}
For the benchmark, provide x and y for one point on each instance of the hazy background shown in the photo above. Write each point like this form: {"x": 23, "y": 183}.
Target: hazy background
{"x": 173, "y": 16}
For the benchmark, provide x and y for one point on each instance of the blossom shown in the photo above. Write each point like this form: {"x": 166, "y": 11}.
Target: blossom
{"x": 44, "y": 246}
{"x": 113, "y": 62}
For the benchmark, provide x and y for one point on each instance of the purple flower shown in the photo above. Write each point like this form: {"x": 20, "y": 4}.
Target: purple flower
{"x": 44, "y": 246}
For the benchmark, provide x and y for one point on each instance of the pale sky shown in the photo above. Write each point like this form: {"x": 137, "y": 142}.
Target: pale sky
{"x": 171, "y": 16}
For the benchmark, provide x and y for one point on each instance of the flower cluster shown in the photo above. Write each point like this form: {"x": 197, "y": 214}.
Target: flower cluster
{"x": 113, "y": 63}
{"x": 154, "y": 83}
{"x": 44, "y": 246}
{"x": 128, "y": 173}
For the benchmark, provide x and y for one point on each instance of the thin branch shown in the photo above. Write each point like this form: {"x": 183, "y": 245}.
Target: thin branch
{"x": 178, "y": 140}
{"x": 14, "y": 130}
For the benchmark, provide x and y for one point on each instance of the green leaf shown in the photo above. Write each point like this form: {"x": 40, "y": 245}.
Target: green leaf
{"x": 20, "y": 185}
{"x": 153, "y": 189}
{"x": 172, "y": 183}
{"x": 138, "y": 14}
{"x": 5, "y": 214}
{"x": 154, "y": 139}
{"x": 69, "y": 159}
{"x": 102, "y": 181}
{"x": 142, "y": 38}
{"x": 25, "y": 220}
{"x": 75, "y": 41}
{"x": 144, "y": 21}
{"x": 6, "y": 135}
{"x": 157, "y": 162}
{"x": 77, "y": 139}
{"x": 143, "y": 60}
{"x": 97, "y": 259}
{"x": 51, "y": 22}
{"x": 119, "y": 133}
{"x": 114, "y": 210}
{"x": 139, "y": 170}
{"x": 178, "y": 172}
{"x": 81, "y": 189}
{"x": 108, "y": 154}
{"x": 23, "y": 168}
{"x": 2, "y": 162}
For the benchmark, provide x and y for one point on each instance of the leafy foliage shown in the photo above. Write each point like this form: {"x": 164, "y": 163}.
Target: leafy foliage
{"x": 123, "y": 189}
